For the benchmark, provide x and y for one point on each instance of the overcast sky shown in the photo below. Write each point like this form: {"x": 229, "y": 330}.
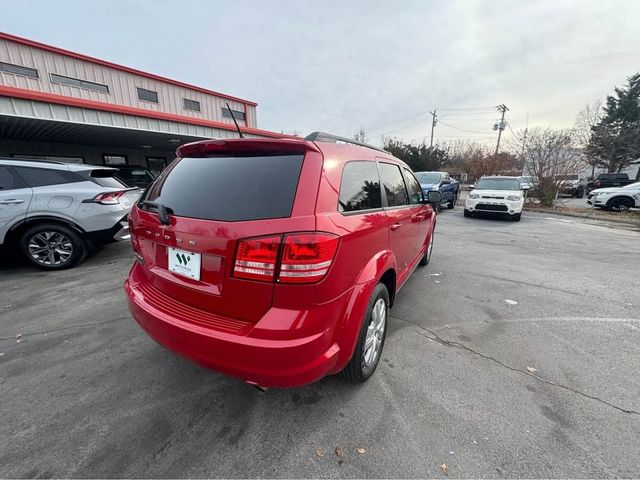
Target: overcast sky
{"x": 340, "y": 65}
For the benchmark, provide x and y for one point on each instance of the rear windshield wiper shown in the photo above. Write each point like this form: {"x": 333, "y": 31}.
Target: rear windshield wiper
{"x": 163, "y": 211}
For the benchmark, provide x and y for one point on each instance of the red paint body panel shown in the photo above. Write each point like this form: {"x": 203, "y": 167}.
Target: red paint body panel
{"x": 267, "y": 332}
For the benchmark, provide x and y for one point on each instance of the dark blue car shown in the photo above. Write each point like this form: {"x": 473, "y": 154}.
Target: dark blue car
{"x": 442, "y": 182}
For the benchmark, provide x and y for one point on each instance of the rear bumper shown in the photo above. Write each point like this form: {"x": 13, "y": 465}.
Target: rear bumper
{"x": 117, "y": 233}
{"x": 261, "y": 361}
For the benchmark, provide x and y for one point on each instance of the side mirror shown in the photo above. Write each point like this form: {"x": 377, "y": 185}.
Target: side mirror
{"x": 525, "y": 187}
{"x": 445, "y": 182}
{"x": 433, "y": 198}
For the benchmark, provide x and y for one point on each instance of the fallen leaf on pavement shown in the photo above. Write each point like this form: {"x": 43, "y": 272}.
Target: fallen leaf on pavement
{"x": 18, "y": 335}
{"x": 340, "y": 454}
{"x": 361, "y": 450}
{"x": 531, "y": 369}
{"x": 319, "y": 453}
{"x": 445, "y": 469}
{"x": 510, "y": 302}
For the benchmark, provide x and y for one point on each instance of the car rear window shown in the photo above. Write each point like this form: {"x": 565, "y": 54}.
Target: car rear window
{"x": 104, "y": 177}
{"x": 229, "y": 188}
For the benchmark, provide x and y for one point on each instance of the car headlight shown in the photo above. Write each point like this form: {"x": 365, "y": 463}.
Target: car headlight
{"x": 474, "y": 196}
{"x": 514, "y": 198}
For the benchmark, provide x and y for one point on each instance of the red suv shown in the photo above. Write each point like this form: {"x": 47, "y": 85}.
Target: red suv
{"x": 276, "y": 261}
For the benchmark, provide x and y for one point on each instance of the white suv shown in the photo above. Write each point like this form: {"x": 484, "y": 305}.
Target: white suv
{"x": 502, "y": 195}
{"x": 51, "y": 211}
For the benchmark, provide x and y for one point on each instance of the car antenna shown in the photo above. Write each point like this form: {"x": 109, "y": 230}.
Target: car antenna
{"x": 234, "y": 121}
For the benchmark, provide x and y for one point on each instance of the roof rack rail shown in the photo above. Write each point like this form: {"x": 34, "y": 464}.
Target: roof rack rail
{"x": 330, "y": 138}
{"x": 40, "y": 160}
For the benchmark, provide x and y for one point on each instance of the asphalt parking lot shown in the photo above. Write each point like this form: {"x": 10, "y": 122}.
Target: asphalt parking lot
{"x": 513, "y": 354}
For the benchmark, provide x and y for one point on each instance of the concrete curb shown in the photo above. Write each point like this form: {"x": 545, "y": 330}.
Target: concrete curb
{"x": 587, "y": 216}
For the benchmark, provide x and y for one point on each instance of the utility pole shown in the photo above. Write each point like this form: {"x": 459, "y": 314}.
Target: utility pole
{"x": 434, "y": 120}
{"x": 500, "y": 126}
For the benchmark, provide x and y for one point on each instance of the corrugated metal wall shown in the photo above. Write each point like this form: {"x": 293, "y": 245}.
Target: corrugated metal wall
{"x": 122, "y": 85}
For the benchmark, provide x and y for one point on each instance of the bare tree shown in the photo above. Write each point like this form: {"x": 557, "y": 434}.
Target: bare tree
{"x": 550, "y": 156}
{"x": 586, "y": 119}
{"x": 360, "y": 136}
{"x": 582, "y": 130}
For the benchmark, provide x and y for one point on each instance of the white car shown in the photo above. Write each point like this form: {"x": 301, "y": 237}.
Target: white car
{"x": 617, "y": 199}
{"x": 503, "y": 195}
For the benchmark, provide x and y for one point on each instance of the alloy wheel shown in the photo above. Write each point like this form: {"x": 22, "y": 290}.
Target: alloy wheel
{"x": 375, "y": 333}
{"x": 50, "y": 248}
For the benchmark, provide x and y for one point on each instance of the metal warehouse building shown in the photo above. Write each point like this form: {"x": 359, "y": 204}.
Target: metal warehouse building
{"x": 60, "y": 105}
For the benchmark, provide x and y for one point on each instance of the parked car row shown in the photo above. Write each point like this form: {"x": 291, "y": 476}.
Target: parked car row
{"x": 321, "y": 262}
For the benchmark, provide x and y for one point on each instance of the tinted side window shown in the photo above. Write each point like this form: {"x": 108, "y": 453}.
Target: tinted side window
{"x": 415, "y": 191}
{"x": 41, "y": 177}
{"x": 360, "y": 187}
{"x": 393, "y": 185}
{"x": 8, "y": 180}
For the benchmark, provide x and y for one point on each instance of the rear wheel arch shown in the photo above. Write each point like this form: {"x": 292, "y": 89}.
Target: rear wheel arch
{"x": 16, "y": 231}
{"x": 388, "y": 278}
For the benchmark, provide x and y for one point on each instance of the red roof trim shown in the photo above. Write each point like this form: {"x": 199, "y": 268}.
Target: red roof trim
{"x": 140, "y": 112}
{"x": 79, "y": 56}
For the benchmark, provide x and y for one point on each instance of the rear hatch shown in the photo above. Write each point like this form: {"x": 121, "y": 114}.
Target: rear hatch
{"x": 213, "y": 200}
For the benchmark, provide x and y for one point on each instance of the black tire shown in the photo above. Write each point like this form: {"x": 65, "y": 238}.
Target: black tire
{"x": 452, "y": 203}
{"x": 358, "y": 370}
{"x": 71, "y": 250}
{"x": 426, "y": 258}
{"x": 579, "y": 193}
{"x": 516, "y": 217}
{"x": 467, "y": 213}
{"x": 620, "y": 204}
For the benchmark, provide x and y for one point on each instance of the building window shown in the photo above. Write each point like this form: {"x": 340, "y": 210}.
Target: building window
{"x": 147, "y": 95}
{"x": 18, "y": 70}
{"x": 191, "y": 105}
{"x": 75, "y": 82}
{"x": 114, "y": 159}
{"x": 54, "y": 158}
{"x": 236, "y": 113}
{"x": 156, "y": 164}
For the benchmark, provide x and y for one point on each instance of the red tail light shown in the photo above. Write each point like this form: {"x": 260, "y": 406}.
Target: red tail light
{"x": 109, "y": 198}
{"x": 256, "y": 258}
{"x": 305, "y": 257}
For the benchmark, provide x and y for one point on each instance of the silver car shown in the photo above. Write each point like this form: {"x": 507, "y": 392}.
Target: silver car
{"x": 52, "y": 211}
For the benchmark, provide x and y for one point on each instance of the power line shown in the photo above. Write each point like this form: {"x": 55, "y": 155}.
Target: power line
{"x": 467, "y": 108}
{"x": 461, "y": 129}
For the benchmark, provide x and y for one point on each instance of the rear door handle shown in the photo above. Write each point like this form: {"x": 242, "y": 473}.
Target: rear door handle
{"x": 396, "y": 226}
{"x": 11, "y": 201}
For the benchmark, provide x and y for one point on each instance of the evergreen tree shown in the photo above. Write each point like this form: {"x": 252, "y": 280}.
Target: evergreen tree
{"x": 615, "y": 140}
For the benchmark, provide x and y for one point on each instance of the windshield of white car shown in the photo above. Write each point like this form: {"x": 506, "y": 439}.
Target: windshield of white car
{"x": 632, "y": 186}
{"x": 497, "y": 184}
{"x": 428, "y": 177}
